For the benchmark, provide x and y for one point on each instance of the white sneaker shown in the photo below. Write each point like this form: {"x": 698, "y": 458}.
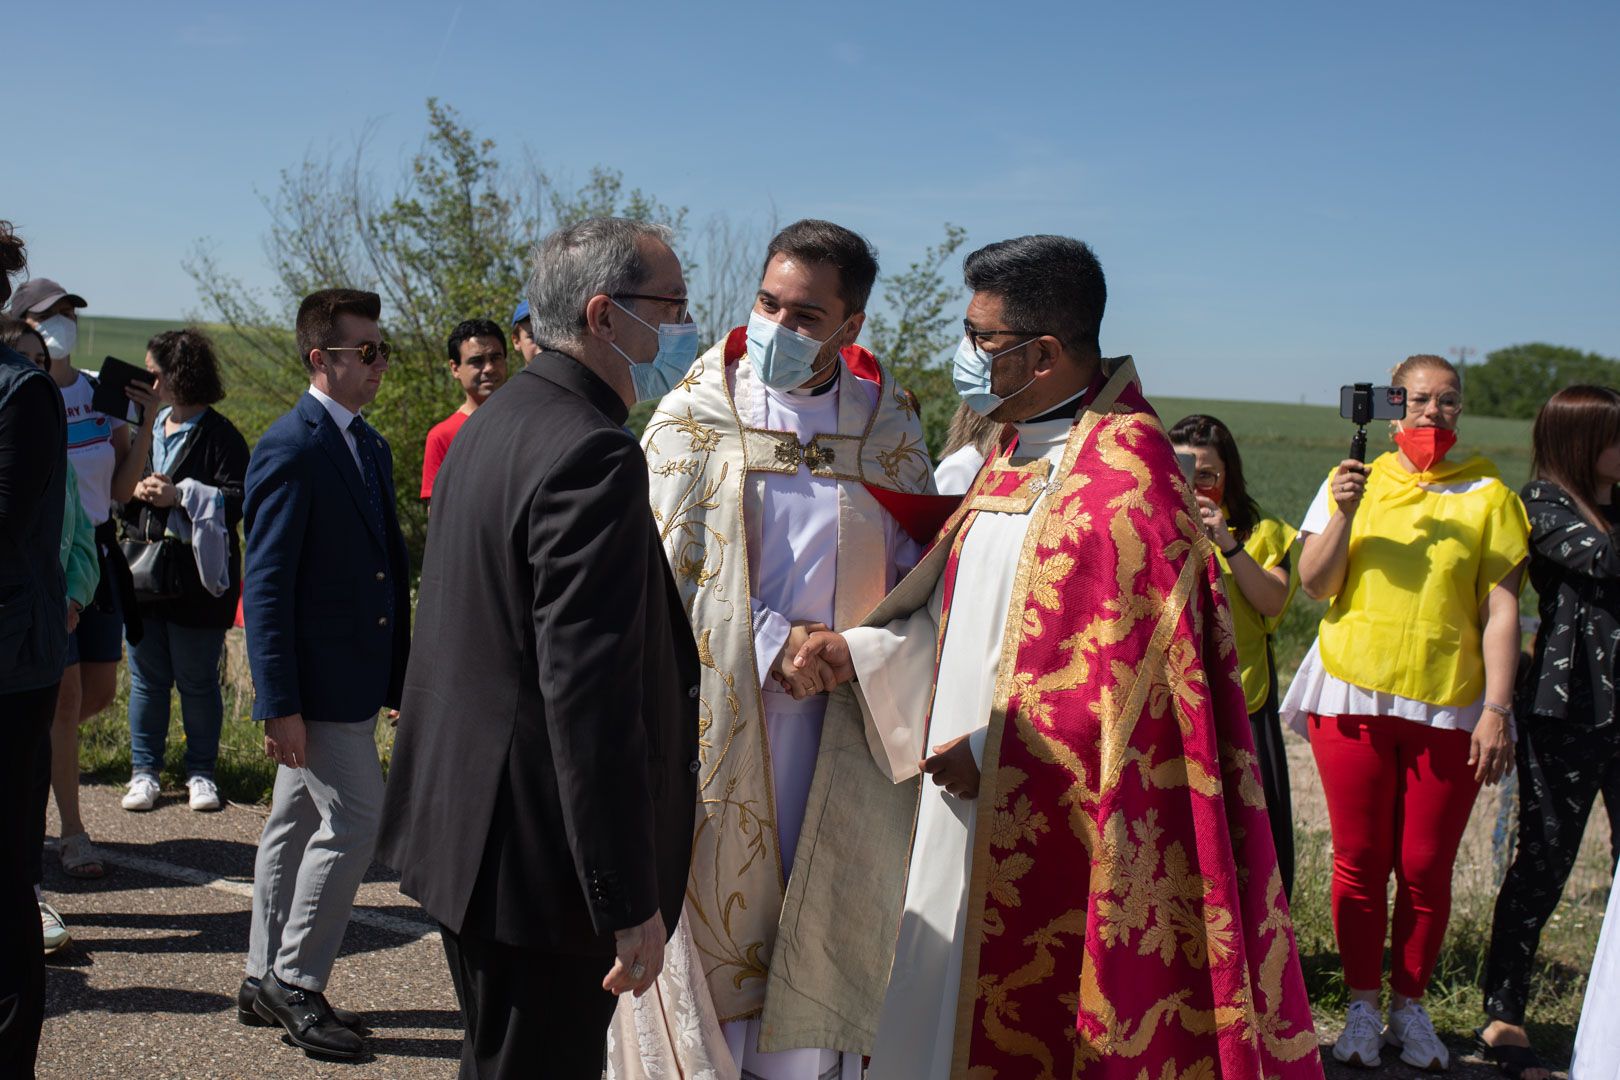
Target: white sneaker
{"x": 204, "y": 793}
{"x": 142, "y": 793}
{"x": 1359, "y": 1043}
{"x": 56, "y": 932}
{"x": 1412, "y": 1033}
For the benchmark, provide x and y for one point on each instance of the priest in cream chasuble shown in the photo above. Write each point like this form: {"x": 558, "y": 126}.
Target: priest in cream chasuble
{"x": 777, "y": 507}
{"x": 1091, "y": 888}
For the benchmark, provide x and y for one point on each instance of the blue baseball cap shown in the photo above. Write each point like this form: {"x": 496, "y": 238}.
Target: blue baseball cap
{"x": 522, "y": 311}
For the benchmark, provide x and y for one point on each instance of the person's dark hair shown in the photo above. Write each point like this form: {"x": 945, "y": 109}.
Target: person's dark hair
{"x": 471, "y": 328}
{"x": 1576, "y": 425}
{"x": 13, "y": 331}
{"x": 190, "y": 369}
{"x": 13, "y": 258}
{"x": 1201, "y": 430}
{"x": 1047, "y": 284}
{"x": 849, "y": 253}
{"x": 318, "y": 315}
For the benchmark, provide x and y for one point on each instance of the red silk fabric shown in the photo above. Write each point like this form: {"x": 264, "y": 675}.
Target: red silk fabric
{"x": 1126, "y": 916}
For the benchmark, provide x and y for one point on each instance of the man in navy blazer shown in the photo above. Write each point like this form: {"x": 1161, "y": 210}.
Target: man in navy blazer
{"x": 326, "y": 604}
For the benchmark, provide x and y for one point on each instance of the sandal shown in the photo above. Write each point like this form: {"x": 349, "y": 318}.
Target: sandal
{"x": 1512, "y": 1060}
{"x": 80, "y": 858}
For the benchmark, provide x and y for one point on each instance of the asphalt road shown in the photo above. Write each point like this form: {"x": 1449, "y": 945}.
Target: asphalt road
{"x": 147, "y": 989}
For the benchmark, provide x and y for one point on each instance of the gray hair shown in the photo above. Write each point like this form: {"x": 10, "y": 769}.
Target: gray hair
{"x": 579, "y": 261}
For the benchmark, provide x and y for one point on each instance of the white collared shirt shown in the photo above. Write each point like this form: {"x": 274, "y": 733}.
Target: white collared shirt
{"x": 342, "y": 417}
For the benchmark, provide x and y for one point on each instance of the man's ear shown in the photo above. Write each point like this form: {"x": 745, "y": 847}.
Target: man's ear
{"x": 1050, "y": 350}
{"x": 599, "y": 316}
{"x": 852, "y": 330}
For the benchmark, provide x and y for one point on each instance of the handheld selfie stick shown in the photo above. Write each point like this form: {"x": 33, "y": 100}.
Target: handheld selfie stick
{"x": 1362, "y": 414}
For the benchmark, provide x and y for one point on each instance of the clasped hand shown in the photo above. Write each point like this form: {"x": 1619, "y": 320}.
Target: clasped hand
{"x": 158, "y": 490}
{"x": 814, "y": 661}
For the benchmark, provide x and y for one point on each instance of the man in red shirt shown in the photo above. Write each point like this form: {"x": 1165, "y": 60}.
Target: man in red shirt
{"x": 478, "y": 361}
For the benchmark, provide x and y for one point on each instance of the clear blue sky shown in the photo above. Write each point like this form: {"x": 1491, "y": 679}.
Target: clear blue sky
{"x": 1285, "y": 196}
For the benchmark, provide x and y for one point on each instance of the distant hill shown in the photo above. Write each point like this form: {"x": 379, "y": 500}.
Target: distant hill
{"x": 101, "y": 336}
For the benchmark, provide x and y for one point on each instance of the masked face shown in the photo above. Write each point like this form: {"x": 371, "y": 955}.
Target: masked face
{"x": 1425, "y": 447}
{"x": 61, "y": 334}
{"x": 677, "y": 349}
{"x": 971, "y": 372}
{"x": 783, "y": 358}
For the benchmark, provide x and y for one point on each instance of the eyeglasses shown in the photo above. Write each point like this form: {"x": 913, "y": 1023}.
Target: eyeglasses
{"x": 369, "y": 352}
{"x": 1418, "y": 403}
{"x": 974, "y": 335}
{"x": 680, "y": 302}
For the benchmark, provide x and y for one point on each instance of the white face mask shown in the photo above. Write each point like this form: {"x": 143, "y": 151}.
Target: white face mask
{"x": 61, "y": 333}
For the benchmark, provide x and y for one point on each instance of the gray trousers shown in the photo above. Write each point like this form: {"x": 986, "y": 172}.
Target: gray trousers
{"x": 313, "y": 854}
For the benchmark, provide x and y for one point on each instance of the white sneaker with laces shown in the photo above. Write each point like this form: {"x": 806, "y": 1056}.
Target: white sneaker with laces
{"x": 56, "y": 932}
{"x": 1359, "y": 1042}
{"x": 1412, "y": 1033}
{"x": 204, "y": 793}
{"x": 142, "y": 793}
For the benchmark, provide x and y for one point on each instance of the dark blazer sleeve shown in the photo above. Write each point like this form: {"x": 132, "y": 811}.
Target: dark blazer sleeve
{"x": 228, "y": 470}
{"x": 1559, "y": 534}
{"x": 588, "y": 553}
{"x": 276, "y": 510}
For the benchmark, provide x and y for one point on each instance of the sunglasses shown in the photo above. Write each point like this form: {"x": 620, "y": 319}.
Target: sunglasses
{"x": 369, "y": 352}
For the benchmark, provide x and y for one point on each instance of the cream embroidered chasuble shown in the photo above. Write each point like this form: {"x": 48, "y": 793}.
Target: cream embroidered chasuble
{"x": 726, "y": 525}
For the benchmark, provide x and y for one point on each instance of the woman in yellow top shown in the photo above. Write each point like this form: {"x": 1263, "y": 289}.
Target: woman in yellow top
{"x": 1407, "y": 693}
{"x": 1254, "y": 552}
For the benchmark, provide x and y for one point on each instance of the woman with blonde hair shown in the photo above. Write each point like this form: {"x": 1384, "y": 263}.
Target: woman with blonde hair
{"x": 1407, "y": 693}
{"x": 1569, "y": 743}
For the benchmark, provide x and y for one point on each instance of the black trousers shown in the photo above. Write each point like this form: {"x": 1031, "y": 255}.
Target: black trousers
{"x": 529, "y": 1013}
{"x": 25, "y": 724}
{"x": 1273, "y": 755}
{"x": 1562, "y": 767}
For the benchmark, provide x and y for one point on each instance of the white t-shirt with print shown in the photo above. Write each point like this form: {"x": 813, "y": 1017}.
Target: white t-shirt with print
{"x": 90, "y": 448}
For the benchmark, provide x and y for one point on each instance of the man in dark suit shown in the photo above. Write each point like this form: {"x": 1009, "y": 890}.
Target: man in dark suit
{"x": 326, "y": 603}
{"x": 541, "y": 792}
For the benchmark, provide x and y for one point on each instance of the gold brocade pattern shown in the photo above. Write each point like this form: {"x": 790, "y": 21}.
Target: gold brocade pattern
{"x": 1103, "y": 734}
{"x": 704, "y": 456}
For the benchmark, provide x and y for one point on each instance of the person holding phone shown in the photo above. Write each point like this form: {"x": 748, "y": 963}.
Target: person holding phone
{"x": 1569, "y": 743}
{"x": 1407, "y": 693}
{"x": 108, "y": 459}
{"x": 193, "y": 494}
{"x": 1255, "y": 553}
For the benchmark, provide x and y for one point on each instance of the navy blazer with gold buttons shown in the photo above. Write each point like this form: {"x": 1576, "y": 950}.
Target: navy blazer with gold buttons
{"x": 325, "y": 585}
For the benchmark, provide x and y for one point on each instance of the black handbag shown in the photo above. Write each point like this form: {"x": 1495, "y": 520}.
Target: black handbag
{"x": 157, "y": 566}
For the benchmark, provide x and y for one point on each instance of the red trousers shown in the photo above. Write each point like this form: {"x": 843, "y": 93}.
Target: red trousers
{"x": 1398, "y": 797}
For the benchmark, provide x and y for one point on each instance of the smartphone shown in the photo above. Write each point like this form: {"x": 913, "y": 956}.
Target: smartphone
{"x": 1363, "y": 403}
{"x": 1188, "y": 463}
{"x": 109, "y": 397}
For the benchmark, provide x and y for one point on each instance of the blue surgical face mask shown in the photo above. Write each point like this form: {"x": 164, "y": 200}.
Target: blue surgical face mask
{"x": 970, "y": 371}
{"x": 783, "y": 358}
{"x": 677, "y": 348}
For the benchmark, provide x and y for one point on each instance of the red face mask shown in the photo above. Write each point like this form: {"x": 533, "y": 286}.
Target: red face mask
{"x": 1213, "y": 492}
{"x": 1425, "y": 447}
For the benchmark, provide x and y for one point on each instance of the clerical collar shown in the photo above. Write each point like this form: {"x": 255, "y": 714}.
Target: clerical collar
{"x": 825, "y": 388}
{"x": 1067, "y": 409}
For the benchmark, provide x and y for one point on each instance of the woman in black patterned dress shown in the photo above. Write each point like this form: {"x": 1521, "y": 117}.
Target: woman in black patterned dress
{"x": 1569, "y": 742}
